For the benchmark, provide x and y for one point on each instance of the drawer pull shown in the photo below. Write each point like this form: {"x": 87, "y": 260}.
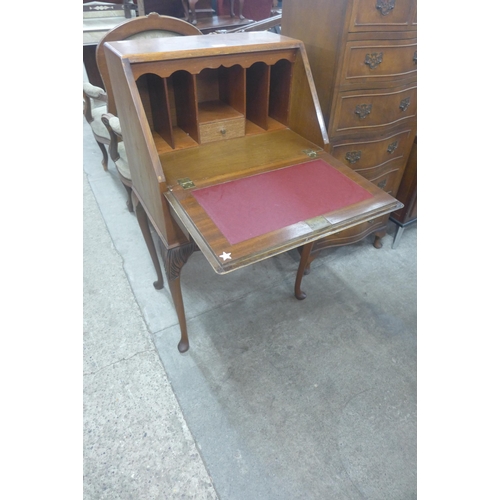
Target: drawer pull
{"x": 353, "y": 156}
{"x": 373, "y": 60}
{"x": 403, "y": 105}
{"x": 385, "y": 6}
{"x": 392, "y": 147}
{"x": 382, "y": 184}
{"x": 415, "y": 57}
{"x": 363, "y": 110}
{"x": 223, "y": 131}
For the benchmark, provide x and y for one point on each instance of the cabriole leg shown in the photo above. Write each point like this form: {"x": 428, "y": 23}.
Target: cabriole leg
{"x": 174, "y": 259}
{"x": 130, "y": 205}
{"x": 304, "y": 263}
{"x": 104, "y": 161}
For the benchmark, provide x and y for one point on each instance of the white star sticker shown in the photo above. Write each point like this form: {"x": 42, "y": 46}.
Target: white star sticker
{"x": 225, "y": 255}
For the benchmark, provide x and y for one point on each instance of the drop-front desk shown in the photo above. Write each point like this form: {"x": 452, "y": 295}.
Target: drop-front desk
{"x": 226, "y": 145}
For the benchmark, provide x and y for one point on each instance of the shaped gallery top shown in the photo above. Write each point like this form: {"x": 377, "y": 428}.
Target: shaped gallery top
{"x": 158, "y": 49}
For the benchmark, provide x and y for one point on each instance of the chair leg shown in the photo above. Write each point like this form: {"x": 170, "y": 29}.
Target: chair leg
{"x": 174, "y": 259}
{"x": 104, "y": 162}
{"x": 130, "y": 204}
{"x": 142, "y": 218}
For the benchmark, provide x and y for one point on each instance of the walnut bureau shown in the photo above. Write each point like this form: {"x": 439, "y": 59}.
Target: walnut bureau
{"x": 227, "y": 152}
{"x": 363, "y": 56}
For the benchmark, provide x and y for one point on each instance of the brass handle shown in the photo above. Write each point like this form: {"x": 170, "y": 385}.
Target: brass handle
{"x": 385, "y": 6}
{"x": 363, "y": 110}
{"x": 392, "y": 147}
{"x": 403, "y": 105}
{"x": 373, "y": 60}
{"x": 353, "y": 156}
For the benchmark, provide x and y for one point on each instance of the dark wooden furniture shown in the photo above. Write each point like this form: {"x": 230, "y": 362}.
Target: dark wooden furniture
{"x": 171, "y": 8}
{"x": 407, "y": 194}
{"x": 100, "y": 6}
{"x": 207, "y": 19}
{"x": 363, "y": 57}
{"x": 204, "y": 118}
{"x": 271, "y": 23}
{"x": 98, "y": 18}
{"x": 252, "y": 9}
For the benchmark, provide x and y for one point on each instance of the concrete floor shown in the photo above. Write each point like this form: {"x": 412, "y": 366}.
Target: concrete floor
{"x": 276, "y": 398}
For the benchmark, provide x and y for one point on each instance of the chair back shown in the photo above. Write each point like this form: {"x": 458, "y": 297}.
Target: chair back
{"x": 151, "y": 26}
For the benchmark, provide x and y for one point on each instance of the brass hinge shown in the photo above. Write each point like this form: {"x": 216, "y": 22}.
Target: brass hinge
{"x": 310, "y": 153}
{"x": 186, "y": 183}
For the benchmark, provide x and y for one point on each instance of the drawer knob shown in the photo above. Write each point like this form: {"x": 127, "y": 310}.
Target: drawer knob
{"x": 415, "y": 57}
{"x": 373, "y": 60}
{"x": 385, "y": 6}
{"x": 392, "y": 147}
{"x": 403, "y": 105}
{"x": 223, "y": 131}
{"x": 363, "y": 110}
{"x": 353, "y": 156}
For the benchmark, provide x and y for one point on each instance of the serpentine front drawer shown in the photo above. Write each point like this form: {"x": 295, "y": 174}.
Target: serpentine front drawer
{"x": 372, "y": 109}
{"x": 382, "y": 15}
{"x": 379, "y": 61}
{"x": 368, "y": 153}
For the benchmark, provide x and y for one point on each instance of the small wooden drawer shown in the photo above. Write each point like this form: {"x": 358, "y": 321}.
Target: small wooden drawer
{"x": 379, "y": 61}
{"x": 369, "y": 154}
{"x": 372, "y": 109}
{"x": 222, "y": 129}
{"x": 381, "y": 15}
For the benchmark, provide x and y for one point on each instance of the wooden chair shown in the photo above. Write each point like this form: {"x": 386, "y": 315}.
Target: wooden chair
{"x": 98, "y": 101}
{"x": 101, "y": 114}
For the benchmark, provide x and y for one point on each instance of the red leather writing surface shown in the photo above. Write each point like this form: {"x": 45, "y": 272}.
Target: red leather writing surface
{"x": 256, "y": 205}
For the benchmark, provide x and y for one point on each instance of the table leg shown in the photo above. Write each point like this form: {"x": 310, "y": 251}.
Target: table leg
{"x": 174, "y": 259}
{"x": 304, "y": 262}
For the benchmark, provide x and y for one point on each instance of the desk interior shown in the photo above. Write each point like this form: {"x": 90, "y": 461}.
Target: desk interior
{"x": 215, "y": 162}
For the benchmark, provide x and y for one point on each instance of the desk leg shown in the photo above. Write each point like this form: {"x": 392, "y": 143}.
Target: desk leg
{"x": 304, "y": 262}
{"x": 174, "y": 259}
{"x": 378, "y": 238}
{"x": 142, "y": 218}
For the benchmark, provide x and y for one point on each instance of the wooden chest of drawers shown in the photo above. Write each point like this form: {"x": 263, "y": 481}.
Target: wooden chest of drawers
{"x": 363, "y": 56}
